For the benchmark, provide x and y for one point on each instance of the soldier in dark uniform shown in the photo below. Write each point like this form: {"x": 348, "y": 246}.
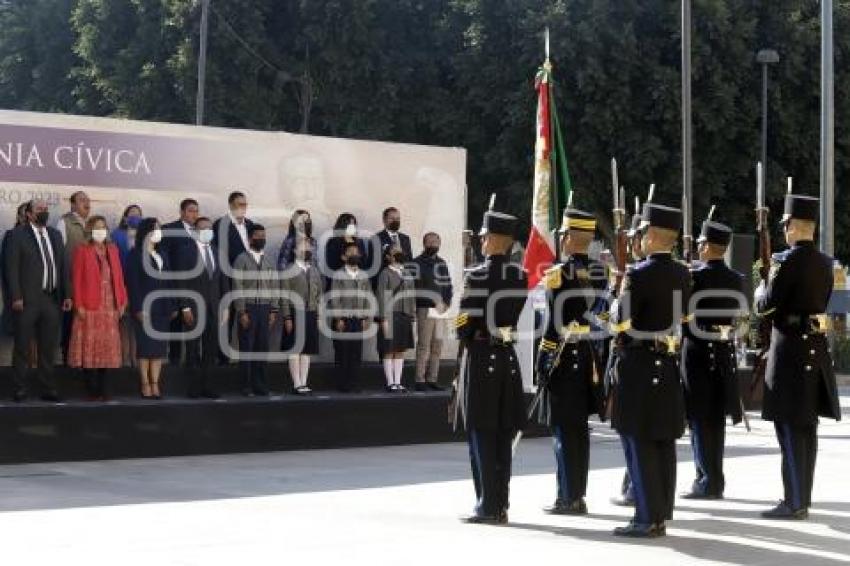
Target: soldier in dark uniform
{"x": 709, "y": 360}
{"x": 799, "y": 380}
{"x": 634, "y": 235}
{"x": 573, "y": 390}
{"x": 490, "y": 384}
{"x": 649, "y": 404}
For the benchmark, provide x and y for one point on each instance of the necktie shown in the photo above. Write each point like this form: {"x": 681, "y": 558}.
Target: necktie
{"x": 394, "y": 238}
{"x": 48, "y": 263}
{"x": 209, "y": 261}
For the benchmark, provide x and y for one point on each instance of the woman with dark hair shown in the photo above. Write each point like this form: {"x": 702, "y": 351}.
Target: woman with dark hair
{"x": 124, "y": 235}
{"x": 99, "y": 301}
{"x": 345, "y": 232}
{"x": 300, "y": 229}
{"x": 145, "y": 267}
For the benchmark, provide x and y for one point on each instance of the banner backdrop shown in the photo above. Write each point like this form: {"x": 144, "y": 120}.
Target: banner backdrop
{"x": 155, "y": 165}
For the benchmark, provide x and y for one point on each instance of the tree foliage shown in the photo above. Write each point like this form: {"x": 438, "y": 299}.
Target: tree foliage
{"x": 459, "y": 73}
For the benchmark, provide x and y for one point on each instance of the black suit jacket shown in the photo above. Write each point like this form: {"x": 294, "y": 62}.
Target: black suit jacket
{"x": 176, "y": 241}
{"x": 377, "y": 255}
{"x": 226, "y": 238}
{"x": 211, "y": 288}
{"x": 25, "y": 269}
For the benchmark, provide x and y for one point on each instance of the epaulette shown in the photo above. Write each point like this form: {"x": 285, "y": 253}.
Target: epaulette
{"x": 552, "y": 276}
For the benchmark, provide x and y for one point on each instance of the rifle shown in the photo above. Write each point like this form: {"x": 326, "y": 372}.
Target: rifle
{"x": 764, "y": 324}
{"x": 456, "y": 397}
{"x": 687, "y": 237}
{"x": 619, "y": 213}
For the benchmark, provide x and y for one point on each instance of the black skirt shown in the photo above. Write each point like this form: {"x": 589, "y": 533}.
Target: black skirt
{"x": 401, "y": 334}
{"x": 309, "y": 335}
{"x": 148, "y": 347}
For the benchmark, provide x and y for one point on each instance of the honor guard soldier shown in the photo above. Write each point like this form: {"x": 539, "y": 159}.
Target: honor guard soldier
{"x": 567, "y": 362}
{"x": 648, "y": 407}
{"x": 634, "y": 235}
{"x": 799, "y": 380}
{"x": 490, "y": 387}
{"x": 709, "y": 360}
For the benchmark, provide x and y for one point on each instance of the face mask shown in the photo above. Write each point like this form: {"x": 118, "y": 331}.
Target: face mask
{"x": 351, "y": 230}
{"x": 205, "y": 236}
{"x": 394, "y": 225}
{"x": 98, "y": 235}
{"x": 307, "y": 256}
{"x": 156, "y": 236}
{"x": 134, "y": 221}
{"x": 431, "y": 250}
{"x": 353, "y": 260}
{"x": 258, "y": 244}
{"x": 41, "y": 218}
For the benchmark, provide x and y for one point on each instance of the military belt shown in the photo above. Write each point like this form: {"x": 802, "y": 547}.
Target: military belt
{"x": 662, "y": 344}
{"x": 574, "y": 332}
{"x": 506, "y": 336}
{"x": 813, "y": 323}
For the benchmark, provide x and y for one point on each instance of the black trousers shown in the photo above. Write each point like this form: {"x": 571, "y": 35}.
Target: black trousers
{"x": 255, "y": 340}
{"x": 491, "y": 453}
{"x": 348, "y": 354}
{"x": 571, "y": 443}
{"x": 799, "y": 446}
{"x": 652, "y": 469}
{"x": 201, "y": 355}
{"x": 41, "y": 320}
{"x": 708, "y": 439}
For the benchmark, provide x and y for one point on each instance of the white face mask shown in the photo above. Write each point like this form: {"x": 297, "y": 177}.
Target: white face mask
{"x": 99, "y": 235}
{"x": 351, "y": 230}
{"x": 205, "y": 236}
{"x": 156, "y": 236}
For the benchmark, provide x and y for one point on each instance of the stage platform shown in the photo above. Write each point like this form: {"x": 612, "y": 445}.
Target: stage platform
{"x": 130, "y": 427}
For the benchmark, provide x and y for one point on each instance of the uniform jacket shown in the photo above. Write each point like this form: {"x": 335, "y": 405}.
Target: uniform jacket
{"x": 492, "y": 393}
{"x": 305, "y": 284}
{"x": 710, "y": 367}
{"x": 799, "y": 380}
{"x": 649, "y": 402}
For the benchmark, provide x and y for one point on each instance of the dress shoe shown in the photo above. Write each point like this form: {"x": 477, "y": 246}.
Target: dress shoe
{"x": 638, "y": 530}
{"x": 700, "y": 495}
{"x": 783, "y": 511}
{"x": 479, "y": 519}
{"x": 623, "y": 501}
{"x": 577, "y": 507}
{"x": 661, "y": 529}
{"x": 421, "y": 386}
{"x": 434, "y": 386}
{"x": 19, "y": 396}
{"x": 210, "y": 395}
{"x": 503, "y": 517}
{"x": 51, "y": 397}
{"x": 260, "y": 392}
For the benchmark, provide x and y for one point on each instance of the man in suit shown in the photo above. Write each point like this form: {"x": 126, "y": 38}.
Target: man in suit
{"x": 800, "y": 380}
{"x": 231, "y": 239}
{"x": 209, "y": 282}
{"x": 39, "y": 288}
{"x": 178, "y": 241}
{"x": 392, "y": 236}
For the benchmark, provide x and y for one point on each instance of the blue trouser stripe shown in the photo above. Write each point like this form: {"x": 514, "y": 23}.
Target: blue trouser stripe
{"x": 633, "y": 465}
{"x": 475, "y": 454}
{"x": 698, "y": 446}
{"x": 561, "y": 460}
{"x": 787, "y": 438}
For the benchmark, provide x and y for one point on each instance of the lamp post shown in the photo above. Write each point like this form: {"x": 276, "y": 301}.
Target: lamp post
{"x": 687, "y": 139}
{"x": 765, "y": 58}
{"x": 202, "y": 62}
{"x": 827, "y": 132}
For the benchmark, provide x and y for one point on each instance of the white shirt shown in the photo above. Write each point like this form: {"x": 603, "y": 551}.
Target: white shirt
{"x": 397, "y": 268}
{"x": 38, "y": 233}
{"x": 242, "y": 229}
{"x": 302, "y": 264}
{"x": 187, "y": 226}
{"x": 353, "y": 272}
{"x": 258, "y": 256}
{"x": 157, "y": 259}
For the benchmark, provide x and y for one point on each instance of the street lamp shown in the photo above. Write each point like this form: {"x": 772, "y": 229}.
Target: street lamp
{"x": 764, "y": 58}
{"x": 202, "y": 62}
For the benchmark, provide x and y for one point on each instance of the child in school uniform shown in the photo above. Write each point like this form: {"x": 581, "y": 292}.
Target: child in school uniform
{"x": 350, "y": 303}
{"x": 396, "y": 297}
{"x": 300, "y": 317}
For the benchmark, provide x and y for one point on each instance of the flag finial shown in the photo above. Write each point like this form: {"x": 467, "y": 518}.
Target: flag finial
{"x": 790, "y": 185}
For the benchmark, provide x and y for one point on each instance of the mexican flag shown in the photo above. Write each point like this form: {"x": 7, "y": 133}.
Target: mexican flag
{"x": 552, "y": 185}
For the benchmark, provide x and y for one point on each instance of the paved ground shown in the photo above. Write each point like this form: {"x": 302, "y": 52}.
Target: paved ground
{"x": 399, "y": 506}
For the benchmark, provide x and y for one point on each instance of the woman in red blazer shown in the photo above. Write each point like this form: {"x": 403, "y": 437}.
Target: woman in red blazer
{"x": 100, "y": 299}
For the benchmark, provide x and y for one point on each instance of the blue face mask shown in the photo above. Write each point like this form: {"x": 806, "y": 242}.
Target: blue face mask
{"x": 134, "y": 221}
